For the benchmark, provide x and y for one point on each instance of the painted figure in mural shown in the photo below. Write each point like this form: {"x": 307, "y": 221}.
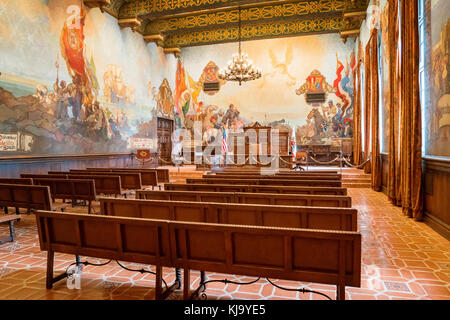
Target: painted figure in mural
{"x": 320, "y": 124}
{"x": 76, "y": 96}
{"x": 62, "y": 94}
{"x": 113, "y": 127}
{"x": 280, "y": 68}
{"x": 231, "y": 117}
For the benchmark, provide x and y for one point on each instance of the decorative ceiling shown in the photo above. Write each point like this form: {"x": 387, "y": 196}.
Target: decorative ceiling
{"x": 183, "y": 23}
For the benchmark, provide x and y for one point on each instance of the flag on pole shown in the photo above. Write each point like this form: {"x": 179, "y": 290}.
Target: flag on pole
{"x": 224, "y": 141}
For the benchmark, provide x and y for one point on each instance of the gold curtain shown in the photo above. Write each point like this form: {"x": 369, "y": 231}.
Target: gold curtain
{"x": 393, "y": 183}
{"x": 374, "y": 107}
{"x": 357, "y": 143}
{"x": 410, "y": 113}
{"x": 367, "y": 111}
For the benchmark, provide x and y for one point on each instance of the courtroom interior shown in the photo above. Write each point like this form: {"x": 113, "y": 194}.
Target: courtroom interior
{"x": 224, "y": 150}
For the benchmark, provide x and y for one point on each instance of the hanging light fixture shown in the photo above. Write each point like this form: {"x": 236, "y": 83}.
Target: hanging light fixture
{"x": 240, "y": 68}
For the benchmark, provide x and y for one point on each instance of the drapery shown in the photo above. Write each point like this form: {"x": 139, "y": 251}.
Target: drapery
{"x": 367, "y": 104}
{"x": 393, "y": 181}
{"x": 357, "y": 143}
{"x": 374, "y": 107}
{"x": 410, "y": 113}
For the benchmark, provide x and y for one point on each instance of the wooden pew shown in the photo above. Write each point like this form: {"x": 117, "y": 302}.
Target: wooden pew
{"x": 280, "y": 182}
{"x": 43, "y": 176}
{"x": 9, "y": 218}
{"x": 280, "y": 253}
{"x": 257, "y": 169}
{"x": 257, "y": 188}
{"x": 275, "y": 177}
{"x": 128, "y": 180}
{"x": 25, "y": 196}
{"x": 234, "y": 213}
{"x": 22, "y": 196}
{"x": 106, "y": 185}
{"x": 73, "y": 189}
{"x": 115, "y": 238}
{"x": 274, "y": 173}
{"x": 28, "y": 181}
{"x": 249, "y": 198}
{"x": 149, "y": 177}
{"x": 162, "y": 174}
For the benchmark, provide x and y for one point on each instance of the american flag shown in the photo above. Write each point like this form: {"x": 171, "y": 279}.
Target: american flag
{"x": 224, "y": 142}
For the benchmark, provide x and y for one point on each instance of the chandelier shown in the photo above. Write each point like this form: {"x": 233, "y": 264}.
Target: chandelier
{"x": 240, "y": 68}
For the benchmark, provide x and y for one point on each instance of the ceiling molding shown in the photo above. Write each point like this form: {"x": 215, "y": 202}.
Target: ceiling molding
{"x": 278, "y": 12}
{"x": 133, "y": 23}
{"x": 318, "y": 25}
{"x": 349, "y": 34}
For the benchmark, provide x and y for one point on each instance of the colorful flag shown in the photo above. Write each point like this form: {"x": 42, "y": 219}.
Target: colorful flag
{"x": 72, "y": 48}
{"x": 224, "y": 141}
{"x": 180, "y": 85}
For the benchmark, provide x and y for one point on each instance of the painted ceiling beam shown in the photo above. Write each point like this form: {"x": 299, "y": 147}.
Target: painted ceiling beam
{"x": 319, "y": 25}
{"x": 281, "y": 11}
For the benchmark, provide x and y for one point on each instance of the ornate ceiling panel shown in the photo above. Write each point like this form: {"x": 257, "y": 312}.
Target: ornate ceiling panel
{"x": 196, "y": 22}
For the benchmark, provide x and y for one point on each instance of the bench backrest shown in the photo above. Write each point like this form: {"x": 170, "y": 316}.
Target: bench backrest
{"x": 251, "y": 198}
{"x": 233, "y": 213}
{"x": 319, "y": 256}
{"x": 222, "y": 197}
{"x": 16, "y": 181}
{"x": 149, "y": 177}
{"x": 162, "y": 174}
{"x": 280, "y": 253}
{"x": 103, "y": 184}
{"x": 280, "y": 182}
{"x": 135, "y": 240}
{"x": 75, "y": 189}
{"x": 43, "y": 176}
{"x": 274, "y": 177}
{"x": 128, "y": 180}
{"x": 258, "y": 170}
{"x": 257, "y": 188}
{"x": 25, "y": 196}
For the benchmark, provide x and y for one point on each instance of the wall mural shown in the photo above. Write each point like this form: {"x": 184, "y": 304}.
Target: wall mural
{"x": 437, "y": 112}
{"x": 73, "y": 82}
{"x": 306, "y": 88}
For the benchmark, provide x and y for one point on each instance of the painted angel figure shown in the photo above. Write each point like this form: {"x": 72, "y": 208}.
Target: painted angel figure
{"x": 281, "y": 68}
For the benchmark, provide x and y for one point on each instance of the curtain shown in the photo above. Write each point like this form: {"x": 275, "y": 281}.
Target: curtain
{"x": 393, "y": 183}
{"x": 374, "y": 107}
{"x": 367, "y": 98}
{"x": 357, "y": 143}
{"x": 410, "y": 113}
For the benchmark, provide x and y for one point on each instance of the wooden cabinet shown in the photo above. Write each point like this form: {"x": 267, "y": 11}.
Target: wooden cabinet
{"x": 165, "y": 128}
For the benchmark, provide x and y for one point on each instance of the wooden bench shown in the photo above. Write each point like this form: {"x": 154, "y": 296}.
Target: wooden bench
{"x": 280, "y": 253}
{"x": 149, "y": 177}
{"x": 28, "y": 181}
{"x": 257, "y": 188}
{"x": 22, "y": 196}
{"x": 128, "y": 180}
{"x": 73, "y": 189}
{"x": 43, "y": 176}
{"x": 274, "y": 177}
{"x": 234, "y": 213}
{"x": 251, "y": 198}
{"x": 114, "y": 238}
{"x": 162, "y": 174}
{"x": 270, "y": 252}
{"x": 25, "y": 196}
{"x": 258, "y": 170}
{"x": 278, "y": 182}
{"x": 104, "y": 185}
{"x": 10, "y": 218}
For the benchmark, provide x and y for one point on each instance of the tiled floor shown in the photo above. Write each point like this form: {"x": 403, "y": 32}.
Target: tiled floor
{"x": 402, "y": 259}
